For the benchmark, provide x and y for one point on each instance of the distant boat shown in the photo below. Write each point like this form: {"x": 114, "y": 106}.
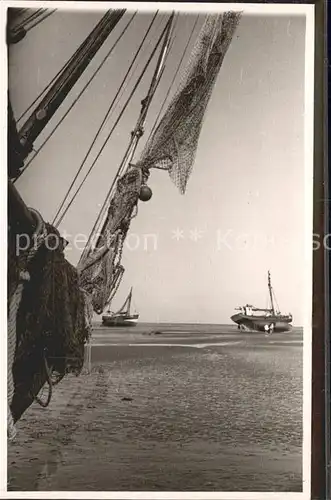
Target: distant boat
{"x": 123, "y": 316}
{"x": 263, "y": 320}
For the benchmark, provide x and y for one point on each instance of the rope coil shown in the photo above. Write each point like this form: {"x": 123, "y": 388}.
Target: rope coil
{"x": 50, "y": 383}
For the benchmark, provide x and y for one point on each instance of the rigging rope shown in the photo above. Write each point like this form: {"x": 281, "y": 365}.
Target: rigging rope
{"x": 122, "y": 203}
{"x": 78, "y": 95}
{"x": 173, "y": 80}
{"x": 87, "y": 44}
{"x": 41, "y": 20}
{"x": 110, "y": 133}
{"x": 275, "y": 299}
{"x": 267, "y": 301}
{"x": 49, "y": 84}
{"x": 48, "y": 371}
{"x": 104, "y": 120}
{"x": 45, "y": 89}
{"x": 29, "y": 19}
{"x": 130, "y": 78}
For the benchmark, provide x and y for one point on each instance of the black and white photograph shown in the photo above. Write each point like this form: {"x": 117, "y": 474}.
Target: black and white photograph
{"x": 159, "y": 276}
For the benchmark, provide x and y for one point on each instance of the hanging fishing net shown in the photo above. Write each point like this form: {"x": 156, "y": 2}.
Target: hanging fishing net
{"x": 101, "y": 270}
{"x": 51, "y": 323}
{"x": 174, "y": 143}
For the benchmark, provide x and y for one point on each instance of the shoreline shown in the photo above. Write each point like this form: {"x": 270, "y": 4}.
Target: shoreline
{"x": 218, "y": 418}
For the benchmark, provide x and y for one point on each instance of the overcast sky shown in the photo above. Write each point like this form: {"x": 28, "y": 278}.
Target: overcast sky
{"x": 245, "y": 198}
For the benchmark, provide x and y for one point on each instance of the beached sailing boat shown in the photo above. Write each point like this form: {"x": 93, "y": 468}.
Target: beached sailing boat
{"x": 50, "y": 301}
{"x": 263, "y": 320}
{"x": 123, "y": 317}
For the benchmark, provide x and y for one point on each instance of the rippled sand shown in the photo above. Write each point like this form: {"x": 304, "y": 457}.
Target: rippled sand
{"x": 218, "y": 418}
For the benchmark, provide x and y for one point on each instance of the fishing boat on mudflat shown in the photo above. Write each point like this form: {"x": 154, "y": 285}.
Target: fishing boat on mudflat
{"x": 123, "y": 317}
{"x": 263, "y": 320}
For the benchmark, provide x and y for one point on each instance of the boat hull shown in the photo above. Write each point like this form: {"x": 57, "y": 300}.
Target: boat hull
{"x": 117, "y": 321}
{"x": 259, "y": 323}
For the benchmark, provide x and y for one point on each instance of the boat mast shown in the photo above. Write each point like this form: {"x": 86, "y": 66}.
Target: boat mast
{"x": 270, "y": 293}
{"x": 130, "y": 300}
{"x": 67, "y": 79}
{"x": 127, "y": 304}
{"x": 136, "y": 134}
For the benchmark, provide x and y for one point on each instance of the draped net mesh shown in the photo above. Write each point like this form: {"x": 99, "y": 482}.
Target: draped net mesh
{"x": 174, "y": 144}
{"x": 100, "y": 271}
{"x": 172, "y": 147}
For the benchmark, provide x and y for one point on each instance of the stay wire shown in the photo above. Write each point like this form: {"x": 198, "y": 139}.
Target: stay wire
{"x": 113, "y": 128}
{"x": 104, "y": 119}
{"x": 77, "y": 97}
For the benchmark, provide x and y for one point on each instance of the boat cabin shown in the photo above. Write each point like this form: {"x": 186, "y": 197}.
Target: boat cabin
{"x": 248, "y": 310}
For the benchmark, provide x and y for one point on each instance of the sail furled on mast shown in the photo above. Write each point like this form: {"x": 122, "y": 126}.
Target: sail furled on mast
{"x": 174, "y": 143}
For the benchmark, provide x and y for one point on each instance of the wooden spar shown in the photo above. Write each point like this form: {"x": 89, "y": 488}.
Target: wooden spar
{"x": 270, "y": 293}
{"x": 67, "y": 79}
{"x": 135, "y": 136}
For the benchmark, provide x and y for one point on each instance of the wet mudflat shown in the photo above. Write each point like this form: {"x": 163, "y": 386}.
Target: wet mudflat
{"x": 180, "y": 411}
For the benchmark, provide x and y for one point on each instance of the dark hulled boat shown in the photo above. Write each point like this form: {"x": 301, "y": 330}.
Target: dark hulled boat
{"x": 263, "y": 320}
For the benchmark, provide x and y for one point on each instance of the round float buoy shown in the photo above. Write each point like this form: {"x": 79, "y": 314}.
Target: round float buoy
{"x": 17, "y": 35}
{"x": 41, "y": 114}
{"x": 145, "y": 193}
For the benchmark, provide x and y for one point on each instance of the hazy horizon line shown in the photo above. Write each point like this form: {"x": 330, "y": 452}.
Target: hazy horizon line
{"x": 185, "y": 323}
